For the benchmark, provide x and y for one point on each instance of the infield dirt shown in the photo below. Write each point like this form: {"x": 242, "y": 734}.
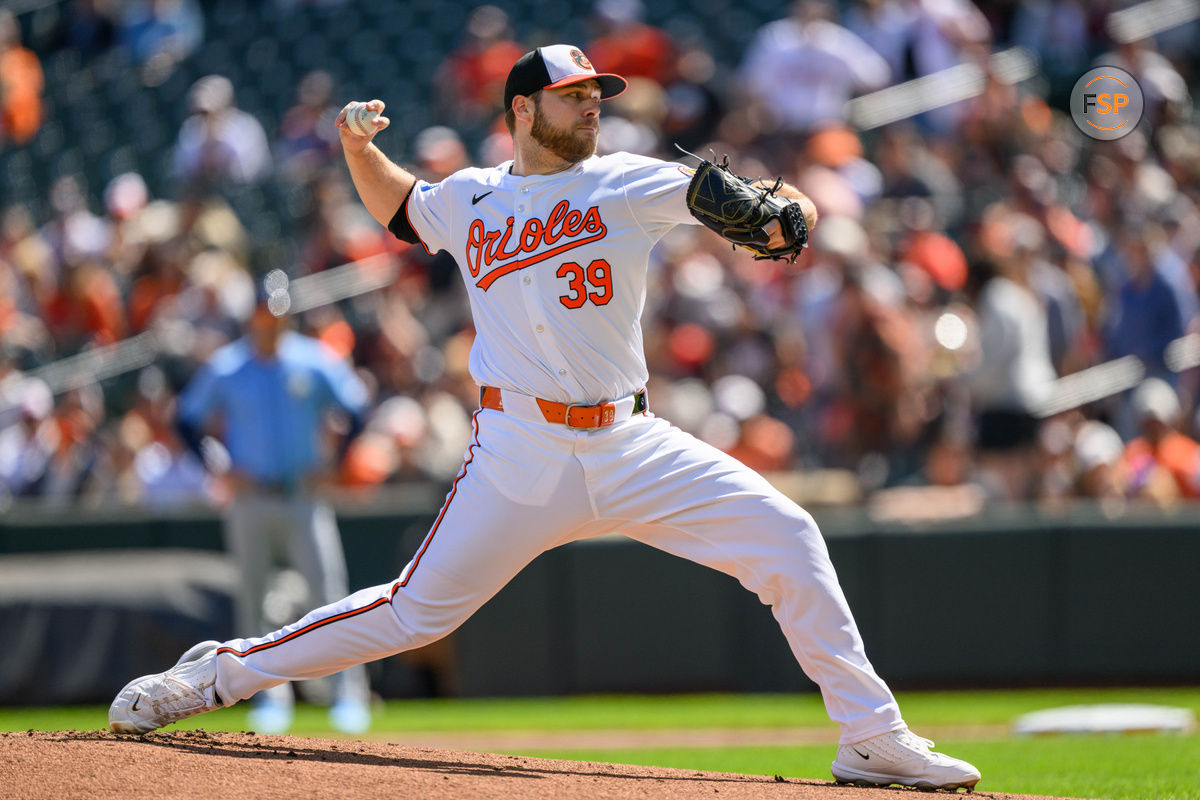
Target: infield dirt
{"x": 201, "y": 765}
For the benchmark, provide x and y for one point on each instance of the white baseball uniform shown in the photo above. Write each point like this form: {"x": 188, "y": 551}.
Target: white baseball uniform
{"x": 555, "y": 268}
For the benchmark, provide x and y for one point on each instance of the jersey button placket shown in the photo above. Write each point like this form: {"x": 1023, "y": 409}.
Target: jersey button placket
{"x": 543, "y": 297}
{"x": 533, "y": 303}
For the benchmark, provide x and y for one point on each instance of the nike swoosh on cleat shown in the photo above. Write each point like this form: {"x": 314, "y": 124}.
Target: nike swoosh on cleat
{"x": 134, "y": 706}
{"x": 475, "y": 198}
{"x": 863, "y": 756}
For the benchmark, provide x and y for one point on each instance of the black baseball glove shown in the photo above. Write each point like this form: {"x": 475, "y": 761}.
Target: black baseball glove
{"x": 739, "y": 211}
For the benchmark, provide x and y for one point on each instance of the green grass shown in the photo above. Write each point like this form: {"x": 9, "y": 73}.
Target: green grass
{"x": 645, "y": 712}
{"x": 1130, "y": 767}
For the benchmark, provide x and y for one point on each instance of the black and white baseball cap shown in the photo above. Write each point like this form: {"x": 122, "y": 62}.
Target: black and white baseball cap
{"x": 553, "y": 66}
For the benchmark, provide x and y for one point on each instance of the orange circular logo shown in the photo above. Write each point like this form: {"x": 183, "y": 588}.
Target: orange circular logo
{"x": 1106, "y": 103}
{"x": 579, "y": 58}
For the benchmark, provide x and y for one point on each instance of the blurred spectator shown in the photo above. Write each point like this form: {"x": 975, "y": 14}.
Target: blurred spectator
{"x": 268, "y": 396}
{"x": 1017, "y": 236}
{"x": 1164, "y": 90}
{"x": 472, "y": 76}
{"x": 945, "y": 33}
{"x": 160, "y": 278}
{"x": 26, "y": 442}
{"x": 125, "y": 199}
{"x": 1162, "y": 464}
{"x": 882, "y": 360}
{"x": 635, "y": 119}
{"x": 68, "y": 440}
{"x": 1098, "y": 450}
{"x": 338, "y": 230}
{"x": 88, "y": 28}
{"x": 161, "y": 33}
{"x": 208, "y": 222}
{"x": 1145, "y": 316}
{"x": 86, "y": 308}
{"x": 21, "y": 84}
{"x": 307, "y": 140}
{"x": 627, "y": 45}
{"x": 946, "y": 487}
{"x": 1014, "y": 377}
{"x": 928, "y": 250}
{"x": 215, "y": 301}
{"x": 31, "y": 278}
{"x": 219, "y": 144}
{"x": 74, "y": 233}
{"x": 144, "y": 461}
{"x": 839, "y": 173}
{"x": 694, "y": 106}
{"x": 197, "y": 297}
{"x": 169, "y": 474}
{"x": 910, "y": 167}
{"x": 439, "y": 151}
{"x": 801, "y": 70}
{"x": 80, "y": 298}
{"x": 1057, "y": 32}
{"x": 922, "y": 37}
{"x": 886, "y": 26}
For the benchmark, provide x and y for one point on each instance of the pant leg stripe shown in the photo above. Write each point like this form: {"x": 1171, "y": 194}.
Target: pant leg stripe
{"x": 412, "y": 567}
{"x": 402, "y": 582}
{"x": 306, "y": 629}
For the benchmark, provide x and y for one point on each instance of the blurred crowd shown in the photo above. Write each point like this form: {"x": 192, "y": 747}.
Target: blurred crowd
{"x": 968, "y": 258}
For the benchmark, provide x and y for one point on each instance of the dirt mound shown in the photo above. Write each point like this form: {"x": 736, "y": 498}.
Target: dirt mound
{"x": 201, "y": 765}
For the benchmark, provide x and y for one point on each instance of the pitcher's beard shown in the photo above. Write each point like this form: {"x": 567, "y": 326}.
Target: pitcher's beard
{"x": 570, "y": 146}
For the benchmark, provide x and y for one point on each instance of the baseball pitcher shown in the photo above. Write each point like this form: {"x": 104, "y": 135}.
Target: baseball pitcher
{"x": 553, "y": 247}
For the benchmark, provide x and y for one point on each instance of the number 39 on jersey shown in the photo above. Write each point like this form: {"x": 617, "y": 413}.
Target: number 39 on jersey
{"x": 593, "y": 284}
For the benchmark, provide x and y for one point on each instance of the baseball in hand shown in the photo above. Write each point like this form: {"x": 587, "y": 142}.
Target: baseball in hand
{"x": 361, "y": 120}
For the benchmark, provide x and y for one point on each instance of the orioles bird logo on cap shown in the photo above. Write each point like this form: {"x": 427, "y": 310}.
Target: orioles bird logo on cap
{"x": 579, "y": 58}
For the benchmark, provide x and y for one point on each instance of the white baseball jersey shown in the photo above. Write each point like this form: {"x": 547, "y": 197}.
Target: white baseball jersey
{"x": 555, "y": 268}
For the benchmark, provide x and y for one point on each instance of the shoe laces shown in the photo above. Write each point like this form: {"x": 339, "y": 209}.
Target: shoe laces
{"x": 172, "y": 700}
{"x": 185, "y": 690}
{"x": 909, "y": 738}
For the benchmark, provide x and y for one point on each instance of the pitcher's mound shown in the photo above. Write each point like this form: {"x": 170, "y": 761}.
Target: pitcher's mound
{"x": 199, "y": 765}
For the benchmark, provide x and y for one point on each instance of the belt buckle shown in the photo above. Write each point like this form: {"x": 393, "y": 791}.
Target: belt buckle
{"x": 567, "y": 416}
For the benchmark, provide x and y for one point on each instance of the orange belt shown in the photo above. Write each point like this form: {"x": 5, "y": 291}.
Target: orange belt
{"x": 572, "y": 415}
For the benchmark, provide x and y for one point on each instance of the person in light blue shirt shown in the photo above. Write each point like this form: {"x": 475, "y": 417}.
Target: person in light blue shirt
{"x": 267, "y": 398}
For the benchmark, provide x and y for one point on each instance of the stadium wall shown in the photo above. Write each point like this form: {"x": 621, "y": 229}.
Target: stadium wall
{"x": 1014, "y": 598}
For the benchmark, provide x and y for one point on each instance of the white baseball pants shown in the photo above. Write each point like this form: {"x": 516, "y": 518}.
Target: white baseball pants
{"x": 527, "y": 486}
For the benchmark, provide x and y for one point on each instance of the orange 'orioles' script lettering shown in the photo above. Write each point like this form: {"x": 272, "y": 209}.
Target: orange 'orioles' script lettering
{"x": 485, "y": 248}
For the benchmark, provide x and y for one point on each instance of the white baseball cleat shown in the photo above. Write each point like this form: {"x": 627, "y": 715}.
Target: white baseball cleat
{"x": 901, "y": 757}
{"x": 185, "y": 690}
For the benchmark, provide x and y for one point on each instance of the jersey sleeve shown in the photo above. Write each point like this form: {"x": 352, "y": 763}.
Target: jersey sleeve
{"x": 428, "y": 212}
{"x": 345, "y": 388}
{"x": 201, "y": 397}
{"x": 657, "y": 192}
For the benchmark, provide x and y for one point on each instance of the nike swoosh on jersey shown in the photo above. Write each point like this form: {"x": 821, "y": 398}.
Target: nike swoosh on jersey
{"x": 475, "y": 198}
